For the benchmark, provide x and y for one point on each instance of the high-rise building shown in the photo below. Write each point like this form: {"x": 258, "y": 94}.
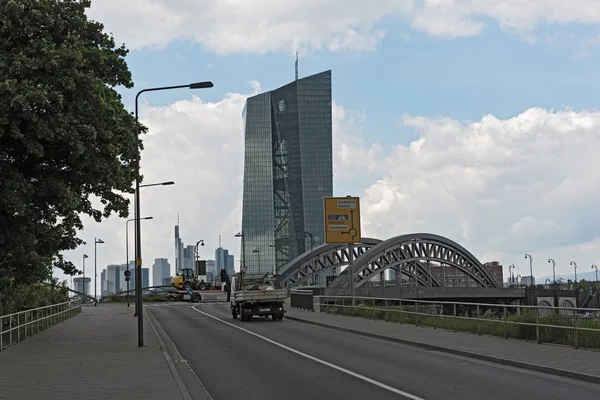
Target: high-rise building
{"x": 161, "y": 272}
{"x": 287, "y": 171}
{"x": 145, "y": 279}
{"x": 211, "y": 266}
{"x": 223, "y": 260}
{"x": 229, "y": 266}
{"x": 115, "y": 279}
{"x": 103, "y": 283}
{"x": 178, "y": 249}
{"x": 79, "y": 283}
{"x": 188, "y": 256}
{"x": 184, "y": 255}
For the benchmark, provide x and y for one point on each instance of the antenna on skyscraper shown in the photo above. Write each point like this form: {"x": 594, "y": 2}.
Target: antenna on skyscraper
{"x": 219, "y": 240}
{"x": 177, "y": 218}
{"x": 296, "y": 64}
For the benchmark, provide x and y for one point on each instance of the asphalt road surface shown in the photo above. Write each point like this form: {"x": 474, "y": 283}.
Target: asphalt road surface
{"x": 282, "y": 360}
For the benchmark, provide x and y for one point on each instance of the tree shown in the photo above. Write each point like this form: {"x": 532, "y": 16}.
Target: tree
{"x": 64, "y": 133}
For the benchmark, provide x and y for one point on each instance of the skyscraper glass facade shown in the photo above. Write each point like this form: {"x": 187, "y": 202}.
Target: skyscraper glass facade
{"x": 287, "y": 171}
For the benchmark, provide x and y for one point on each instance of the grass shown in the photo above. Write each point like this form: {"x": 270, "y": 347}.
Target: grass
{"x": 516, "y": 325}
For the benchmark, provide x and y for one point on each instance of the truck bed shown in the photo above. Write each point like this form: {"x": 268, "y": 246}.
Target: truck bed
{"x": 260, "y": 295}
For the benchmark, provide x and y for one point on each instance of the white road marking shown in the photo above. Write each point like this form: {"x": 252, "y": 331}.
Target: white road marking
{"x": 318, "y": 360}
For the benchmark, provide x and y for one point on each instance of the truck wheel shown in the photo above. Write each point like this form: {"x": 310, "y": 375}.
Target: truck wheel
{"x": 203, "y": 286}
{"x": 187, "y": 285}
{"x": 196, "y": 297}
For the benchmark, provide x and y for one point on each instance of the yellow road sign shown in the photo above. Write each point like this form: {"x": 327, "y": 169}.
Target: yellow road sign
{"x": 342, "y": 219}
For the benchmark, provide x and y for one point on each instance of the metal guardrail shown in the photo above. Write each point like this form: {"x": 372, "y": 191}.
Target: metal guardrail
{"x": 18, "y": 326}
{"x": 302, "y": 299}
{"x": 577, "y": 327}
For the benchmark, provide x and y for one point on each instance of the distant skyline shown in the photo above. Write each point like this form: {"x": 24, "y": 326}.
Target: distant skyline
{"x": 480, "y": 126}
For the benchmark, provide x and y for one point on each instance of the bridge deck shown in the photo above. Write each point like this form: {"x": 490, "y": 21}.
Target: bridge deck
{"x": 93, "y": 355}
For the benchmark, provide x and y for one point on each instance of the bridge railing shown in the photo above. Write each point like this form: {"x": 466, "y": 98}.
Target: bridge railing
{"x": 577, "y": 327}
{"x": 21, "y": 325}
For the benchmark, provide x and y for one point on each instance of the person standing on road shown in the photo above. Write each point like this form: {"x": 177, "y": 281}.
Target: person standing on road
{"x": 225, "y": 279}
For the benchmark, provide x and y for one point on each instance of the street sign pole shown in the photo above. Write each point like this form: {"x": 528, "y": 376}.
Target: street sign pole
{"x": 351, "y": 267}
{"x": 342, "y": 226}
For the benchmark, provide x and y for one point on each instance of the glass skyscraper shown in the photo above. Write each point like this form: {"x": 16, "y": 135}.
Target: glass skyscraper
{"x": 287, "y": 171}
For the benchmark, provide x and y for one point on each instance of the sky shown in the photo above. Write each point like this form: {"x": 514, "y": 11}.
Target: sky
{"x": 477, "y": 120}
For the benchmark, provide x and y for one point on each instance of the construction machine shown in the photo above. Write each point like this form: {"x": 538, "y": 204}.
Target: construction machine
{"x": 186, "y": 279}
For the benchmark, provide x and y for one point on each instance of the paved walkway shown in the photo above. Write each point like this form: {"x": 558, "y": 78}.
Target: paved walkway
{"x": 564, "y": 361}
{"x": 93, "y": 355}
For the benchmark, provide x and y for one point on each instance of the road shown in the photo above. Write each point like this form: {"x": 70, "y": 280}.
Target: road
{"x": 264, "y": 360}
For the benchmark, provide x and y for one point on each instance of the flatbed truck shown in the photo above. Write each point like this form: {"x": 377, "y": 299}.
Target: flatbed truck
{"x": 255, "y": 294}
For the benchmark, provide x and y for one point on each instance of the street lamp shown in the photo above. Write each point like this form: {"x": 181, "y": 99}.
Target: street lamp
{"x": 158, "y": 184}
{"x": 138, "y": 226}
{"x": 530, "y": 267}
{"x": 96, "y": 242}
{"x": 574, "y": 264}
{"x": 594, "y": 266}
{"x": 127, "y": 272}
{"x": 84, "y": 257}
{"x": 243, "y": 261}
{"x": 551, "y": 260}
{"x": 138, "y": 274}
{"x": 257, "y": 251}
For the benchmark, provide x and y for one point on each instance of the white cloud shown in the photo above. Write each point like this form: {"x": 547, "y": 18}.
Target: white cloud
{"x": 227, "y": 26}
{"x": 499, "y": 187}
{"x": 198, "y": 145}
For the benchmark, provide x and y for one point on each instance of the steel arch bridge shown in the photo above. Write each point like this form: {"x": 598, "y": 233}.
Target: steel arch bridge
{"x": 325, "y": 258}
{"x": 407, "y": 254}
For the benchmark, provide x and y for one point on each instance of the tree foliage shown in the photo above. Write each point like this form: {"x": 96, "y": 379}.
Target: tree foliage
{"x": 64, "y": 133}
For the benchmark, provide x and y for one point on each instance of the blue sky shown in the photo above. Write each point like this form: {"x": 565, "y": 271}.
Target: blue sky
{"x": 409, "y": 73}
{"x": 525, "y": 180}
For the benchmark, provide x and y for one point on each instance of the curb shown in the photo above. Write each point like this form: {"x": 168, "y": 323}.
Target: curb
{"x": 519, "y": 364}
{"x": 185, "y": 394}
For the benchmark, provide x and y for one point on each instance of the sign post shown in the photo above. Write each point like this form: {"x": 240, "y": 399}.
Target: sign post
{"x": 342, "y": 225}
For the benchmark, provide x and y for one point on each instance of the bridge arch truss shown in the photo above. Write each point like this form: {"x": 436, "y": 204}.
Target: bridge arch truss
{"x": 327, "y": 258}
{"x": 409, "y": 256}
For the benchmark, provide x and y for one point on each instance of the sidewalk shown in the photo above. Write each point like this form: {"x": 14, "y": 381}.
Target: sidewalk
{"x": 93, "y": 355}
{"x": 558, "y": 360}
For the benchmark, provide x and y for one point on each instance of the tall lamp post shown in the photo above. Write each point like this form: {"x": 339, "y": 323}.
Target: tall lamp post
{"x": 127, "y": 272}
{"x": 198, "y": 243}
{"x": 96, "y": 243}
{"x": 257, "y": 251}
{"x": 84, "y": 257}
{"x": 138, "y": 274}
{"x": 312, "y": 261}
{"x": 138, "y": 227}
{"x": 574, "y": 264}
{"x": 594, "y": 266}
{"x": 551, "y": 260}
{"x": 272, "y": 246}
{"x": 511, "y": 274}
{"x": 530, "y": 267}
{"x": 532, "y": 284}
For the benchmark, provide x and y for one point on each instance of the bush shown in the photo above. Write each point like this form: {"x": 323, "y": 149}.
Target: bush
{"x": 517, "y": 326}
